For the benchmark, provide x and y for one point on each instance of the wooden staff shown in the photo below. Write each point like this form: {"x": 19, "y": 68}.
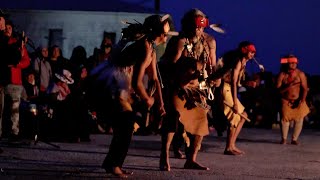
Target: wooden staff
{"x": 241, "y": 115}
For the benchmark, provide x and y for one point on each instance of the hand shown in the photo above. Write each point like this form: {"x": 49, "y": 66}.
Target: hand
{"x": 162, "y": 111}
{"x": 150, "y": 102}
{"x": 235, "y": 108}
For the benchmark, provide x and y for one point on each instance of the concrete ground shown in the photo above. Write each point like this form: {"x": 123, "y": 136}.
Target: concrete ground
{"x": 265, "y": 158}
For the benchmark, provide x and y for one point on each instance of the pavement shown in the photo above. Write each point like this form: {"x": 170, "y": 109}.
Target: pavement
{"x": 265, "y": 158}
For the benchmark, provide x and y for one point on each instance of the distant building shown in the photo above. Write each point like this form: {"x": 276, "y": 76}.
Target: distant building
{"x": 69, "y": 29}
{"x": 72, "y": 23}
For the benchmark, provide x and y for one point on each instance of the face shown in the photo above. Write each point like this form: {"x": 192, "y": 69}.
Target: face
{"x": 292, "y": 65}
{"x": 8, "y": 30}
{"x": 56, "y": 52}
{"x": 44, "y": 52}
{"x": 251, "y": 54}
{"x": 166, "y": 29}
{"x": 31, "y": 79}
{"x": 199, "y": 31}
{"x": 2, "y": 24}
{"x": 107, "y": 48}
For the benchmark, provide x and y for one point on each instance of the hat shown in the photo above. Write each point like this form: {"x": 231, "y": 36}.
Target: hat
{"x": 65, "y": 76}
{"x": 154, "y": 24}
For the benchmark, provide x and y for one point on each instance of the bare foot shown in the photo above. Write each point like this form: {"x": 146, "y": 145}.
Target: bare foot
{"x": 194, "y": 165}
{"x": 231, "y": 152}
{"x": 117, "y": 171}
{"x": 164, "y": 163}
{"x": 238, "y": 150}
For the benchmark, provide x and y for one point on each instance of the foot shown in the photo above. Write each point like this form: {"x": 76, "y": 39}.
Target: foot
{"x": 117, "y": 171}
{"x": 178, "y": 154}
{"x": 238, "y": 150}
{"x": 194, "y": 165}
{"x": 283, "y": 141}
{"x": 164, "y": 163}
{"x": 231, "y": 152}
{"x": 295, "y": 142}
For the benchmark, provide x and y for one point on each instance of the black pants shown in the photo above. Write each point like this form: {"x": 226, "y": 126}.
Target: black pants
{"x": 122, "y": 134}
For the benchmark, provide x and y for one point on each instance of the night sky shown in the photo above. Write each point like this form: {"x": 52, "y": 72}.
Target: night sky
{"x": 276, "y": 27}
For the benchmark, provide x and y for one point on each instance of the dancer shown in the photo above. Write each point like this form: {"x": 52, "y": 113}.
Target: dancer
{"x": 200, "y": 47}
{"x": 293, "y": 87}
{"x": 122, "y": 77}
{"x": 232, "y": 72}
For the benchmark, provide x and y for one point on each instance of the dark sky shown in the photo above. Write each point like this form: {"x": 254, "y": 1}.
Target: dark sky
{"x": 276, "y": 27}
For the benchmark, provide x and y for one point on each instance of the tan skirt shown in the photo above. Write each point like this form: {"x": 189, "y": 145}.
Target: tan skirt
{"x": 233, "y": 118}
{"x": 194, "y": 120}
{"x": 295, "y": 114}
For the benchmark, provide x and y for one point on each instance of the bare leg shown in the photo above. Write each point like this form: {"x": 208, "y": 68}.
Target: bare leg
{"x": 296, "y": 131}
{"x": 165, "y": 151}
{"x": 284, "y": 131}
{"x": 236, "y": 134}
{"x": 233, "y": 133}
{"x": 192, "y": 153}
{"x": 230, "y": 135}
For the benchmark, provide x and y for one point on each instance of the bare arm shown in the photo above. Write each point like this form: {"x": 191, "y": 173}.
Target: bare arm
{"x": 180, "y": 49}
{"x": 234, "y": 91}
{"x": 139, "y": 86}
{"x": 212, "y": 53}
{"x": 279, "y": 80}
{"x": 304, "y": 85}
{"x": 154, "y": 77}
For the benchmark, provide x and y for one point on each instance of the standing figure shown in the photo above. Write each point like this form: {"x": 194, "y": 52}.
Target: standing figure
{"x": 292, "y": 83}
{"x": 232, "y": 72}
{"x": 42, "y": 68}
{"x": 120, "y": 78}
{"x": 199, "y": 47}
{"x": 13, "y": 76}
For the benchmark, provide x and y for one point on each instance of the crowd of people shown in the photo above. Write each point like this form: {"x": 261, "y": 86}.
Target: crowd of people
{"x": 124, "y": 88}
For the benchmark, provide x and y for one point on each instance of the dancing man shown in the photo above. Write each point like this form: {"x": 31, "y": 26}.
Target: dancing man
{"x": 120, "y": 78}
{"x": 200, "y": 47}
{"x": 292, "y": 84}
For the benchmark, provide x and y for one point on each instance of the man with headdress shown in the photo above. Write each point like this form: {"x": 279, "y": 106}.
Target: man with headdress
{"x": 120, "y": 78}
{"x": 200, "y": 47}
{"x": 293, "y": 87}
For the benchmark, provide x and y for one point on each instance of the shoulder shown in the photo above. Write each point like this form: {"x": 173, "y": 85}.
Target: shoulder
{"x": 301, "y": 73}
{"x": 210, "y": 40}
{"x": 281, "y": 75}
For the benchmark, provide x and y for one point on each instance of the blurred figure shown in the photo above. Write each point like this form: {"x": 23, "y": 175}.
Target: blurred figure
{"x": 105, "y": 50}
{"x": 293, "y": 87}
{"x": 120, "y": 78}
{"x": 56, "y": 60}
{"x": 79, "y": 104}
{"x": 59, "y": 98}
{"x": 13, "y": 84}
{"x": 43, "y": 69}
